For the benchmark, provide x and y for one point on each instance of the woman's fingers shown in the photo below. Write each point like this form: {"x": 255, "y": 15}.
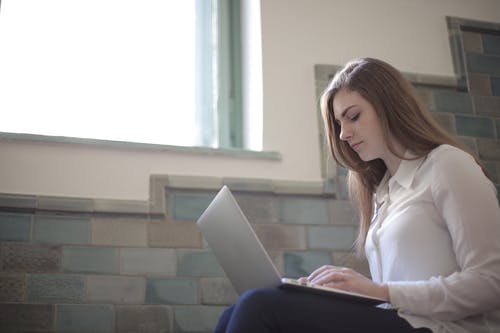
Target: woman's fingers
{"x": 346, "y": 279}
{"x": 330, "y": 274}
{"x": 319, "y": 272}
{"x": 303, "y": 280}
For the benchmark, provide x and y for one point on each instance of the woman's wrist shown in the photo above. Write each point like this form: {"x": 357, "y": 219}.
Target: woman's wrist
{"x": 383, "y": 292}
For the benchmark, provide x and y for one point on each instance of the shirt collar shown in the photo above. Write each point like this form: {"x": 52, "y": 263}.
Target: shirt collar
{"x": 404, "y": 174}
{"x": 407, "y": 169}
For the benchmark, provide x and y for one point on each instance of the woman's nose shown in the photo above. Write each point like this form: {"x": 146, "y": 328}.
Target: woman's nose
{"x": 345, "y": 133}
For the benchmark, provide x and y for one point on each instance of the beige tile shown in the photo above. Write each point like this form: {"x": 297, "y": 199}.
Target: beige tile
{"x": 472, "y": 42}
{"x": 174, "y": 234}
{"x": 119, "y": 231}
{"x": 281, "y": 236}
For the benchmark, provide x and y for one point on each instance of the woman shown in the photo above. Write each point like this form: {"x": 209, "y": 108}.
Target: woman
{"x": 429, "y": 222}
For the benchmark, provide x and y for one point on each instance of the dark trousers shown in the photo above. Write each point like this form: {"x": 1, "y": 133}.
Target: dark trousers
{"x": 290, "y": 311}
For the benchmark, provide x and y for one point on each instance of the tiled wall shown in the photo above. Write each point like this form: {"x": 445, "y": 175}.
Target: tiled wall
{"x": 78, "y": 265}
{"x": 468, "y": 106}
{"x": 84, "y": 265}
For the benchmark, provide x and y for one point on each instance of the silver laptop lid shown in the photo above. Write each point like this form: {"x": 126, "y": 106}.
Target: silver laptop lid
{"x": 235, "y": 244}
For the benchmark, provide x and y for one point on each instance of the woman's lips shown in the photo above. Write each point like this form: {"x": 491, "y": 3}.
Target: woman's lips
{"x": 355, "y": 146}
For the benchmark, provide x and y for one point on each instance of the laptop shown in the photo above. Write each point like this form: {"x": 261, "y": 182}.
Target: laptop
{"x": 242, "y": 256}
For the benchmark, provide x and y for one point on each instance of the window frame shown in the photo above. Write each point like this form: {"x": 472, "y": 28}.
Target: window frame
{"x": 221, "y": 116}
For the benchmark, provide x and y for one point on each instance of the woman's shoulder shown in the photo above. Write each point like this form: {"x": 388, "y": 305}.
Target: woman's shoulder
{"x": 448, "y": 154}
{"x": 450, "y": 164}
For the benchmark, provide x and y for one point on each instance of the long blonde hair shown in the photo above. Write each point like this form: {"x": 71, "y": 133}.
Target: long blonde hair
{"x": 401, "y": 114}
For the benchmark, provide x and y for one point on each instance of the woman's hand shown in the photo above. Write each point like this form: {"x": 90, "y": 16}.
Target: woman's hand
{"x": 346, "y": 279}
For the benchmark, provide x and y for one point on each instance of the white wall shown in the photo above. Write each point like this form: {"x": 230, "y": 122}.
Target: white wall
{"x": 297, "y": 34}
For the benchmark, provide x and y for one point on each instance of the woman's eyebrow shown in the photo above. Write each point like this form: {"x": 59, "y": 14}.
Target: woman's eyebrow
{"x": 342, "y": 115}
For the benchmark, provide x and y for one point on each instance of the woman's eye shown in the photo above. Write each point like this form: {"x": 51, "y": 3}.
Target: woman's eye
{"x": 356, "y": 117}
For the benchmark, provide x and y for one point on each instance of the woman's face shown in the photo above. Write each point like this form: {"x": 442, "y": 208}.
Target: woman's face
{"x": 360, "y": 125}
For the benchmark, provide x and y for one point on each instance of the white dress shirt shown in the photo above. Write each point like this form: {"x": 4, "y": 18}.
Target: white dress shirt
{"x": 435, "y": 240}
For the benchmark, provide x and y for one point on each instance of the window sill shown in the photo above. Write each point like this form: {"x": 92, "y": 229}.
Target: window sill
{"x": 124, "y": 145}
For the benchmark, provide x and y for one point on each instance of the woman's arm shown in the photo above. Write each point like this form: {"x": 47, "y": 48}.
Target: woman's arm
{"x": 469, "y": 207}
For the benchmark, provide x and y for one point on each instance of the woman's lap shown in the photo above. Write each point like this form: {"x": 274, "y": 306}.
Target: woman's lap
{"x": 282, "y": 310}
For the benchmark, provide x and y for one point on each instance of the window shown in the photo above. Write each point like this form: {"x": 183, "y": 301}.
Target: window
{"x": 154, "y": 71}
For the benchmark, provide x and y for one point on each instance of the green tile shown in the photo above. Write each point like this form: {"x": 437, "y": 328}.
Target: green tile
{"x": 298, "y": 264}
{"x": 491, "y": 44}
{"x": 491, "y": 168}
{"x": 15, "y": 227}
{"x": 190, "y": 206}
{"x": 487, "y": 64}
{"x": 49, "y": 288}
{"x": 62, "y": 230}
{"x": 171, "y": 291}
{"x": 495, "y": 86}
{"x": 475, "y": 126}
{"x": 197, "y": 263}
{"x": 452, "y": 101}
{"x": 497, "y": 122}
{"x": 84, "y": 318}
{"x": 331, "y": 238}
{"x": 90, "y": 259}
{"x": 298, "y": 210}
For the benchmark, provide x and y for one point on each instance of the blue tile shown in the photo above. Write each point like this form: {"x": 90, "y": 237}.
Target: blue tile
{"x": 342, "y": 171}
{"x": 495, "y": 85}
{"x": 479, "y": 63}
{"x": 61, "y": 230}
{"x": 84, "y": 318}
{"x": 190, "y": 206}
{"x": 90, "y": 259}
{"x": 452, "y": 101}
{"x": 491, "y": 44}
{"x": 55, "y": 288}
{"x": 331, "y": 238}
{"x": 171, "y": 291}
{"x": 475, "y": 126}
{"x": 197, "y": 263}
{"x": 15, "y": 227}
{"x": 298, "y": 264}
{"x": 303, "y": 210}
